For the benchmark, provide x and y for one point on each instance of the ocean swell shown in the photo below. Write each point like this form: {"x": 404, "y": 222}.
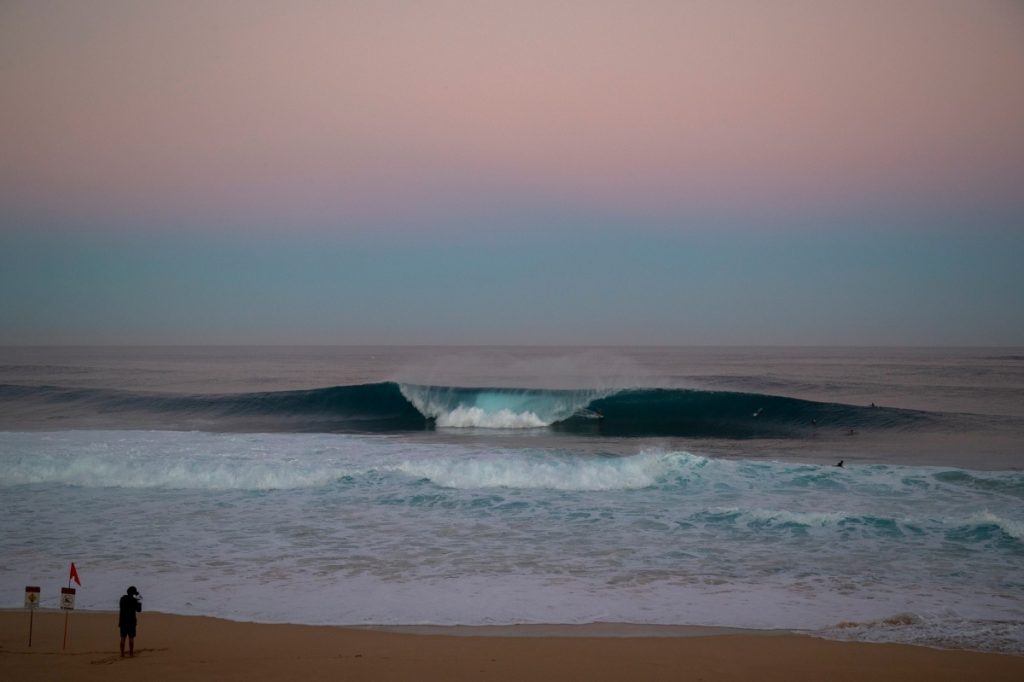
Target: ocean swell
{"x": 392, "y": 407}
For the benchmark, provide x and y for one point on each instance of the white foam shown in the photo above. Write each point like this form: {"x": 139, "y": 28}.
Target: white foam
{"x": 1014, "y": 529}
{"x": 784, "y": 517}
{"x": 475, "y": 417}
{"x": 944, "y": 630}
{"x": 543, "y": 470}
{"x": 160, "y": 459}
{"x": 495, "y": 409}
{"x": 352, "y": 529}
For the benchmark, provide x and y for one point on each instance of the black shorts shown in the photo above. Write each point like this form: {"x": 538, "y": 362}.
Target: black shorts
{"x": 128, "y": 630}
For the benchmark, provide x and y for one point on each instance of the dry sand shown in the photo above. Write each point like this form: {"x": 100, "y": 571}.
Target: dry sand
{"x": 192, "y": 648}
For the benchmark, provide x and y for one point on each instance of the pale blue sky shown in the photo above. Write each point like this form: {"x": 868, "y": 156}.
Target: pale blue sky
{"x": 565, "y": 284}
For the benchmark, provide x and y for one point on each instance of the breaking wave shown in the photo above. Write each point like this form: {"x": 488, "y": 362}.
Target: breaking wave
{"x": 392, "y": 407}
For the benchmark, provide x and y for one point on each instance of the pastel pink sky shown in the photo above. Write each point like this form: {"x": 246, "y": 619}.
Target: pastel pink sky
{"x": 222, "y": 112}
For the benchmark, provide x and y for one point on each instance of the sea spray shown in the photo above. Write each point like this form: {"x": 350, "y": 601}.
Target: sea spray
{"x": 496, "y": 408}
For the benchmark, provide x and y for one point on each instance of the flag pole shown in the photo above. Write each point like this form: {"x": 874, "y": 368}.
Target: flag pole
{"x": 67, "y": 612}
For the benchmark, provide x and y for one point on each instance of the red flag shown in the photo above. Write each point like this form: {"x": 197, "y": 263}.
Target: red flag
{"x": 74, "y": 575}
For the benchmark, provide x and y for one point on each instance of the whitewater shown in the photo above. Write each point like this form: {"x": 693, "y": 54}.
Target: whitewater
{"x": 487, "y": 500}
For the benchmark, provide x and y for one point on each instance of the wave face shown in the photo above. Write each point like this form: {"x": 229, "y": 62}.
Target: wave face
{"x": 364, "y": 529}
{"x": 368, "y": 407}
{"x": 388, "y": 406}
{"x": 726, "y": 414}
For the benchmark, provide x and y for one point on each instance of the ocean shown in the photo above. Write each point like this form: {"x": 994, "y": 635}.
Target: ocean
{"x": 491, "y": 486}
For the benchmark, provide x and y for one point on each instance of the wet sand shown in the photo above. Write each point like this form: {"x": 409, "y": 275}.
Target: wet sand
{"x": 173, "y": 648}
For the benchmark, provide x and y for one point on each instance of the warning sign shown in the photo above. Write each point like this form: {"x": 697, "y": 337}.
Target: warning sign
{"x": 67, "y": 598}
{"x": 31, "y": 596}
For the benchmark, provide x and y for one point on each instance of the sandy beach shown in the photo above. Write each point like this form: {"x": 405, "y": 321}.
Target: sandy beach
{"x": 173, "y": 647}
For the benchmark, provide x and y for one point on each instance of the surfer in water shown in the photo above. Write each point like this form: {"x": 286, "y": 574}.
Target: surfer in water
{"x": 840, "y": 463}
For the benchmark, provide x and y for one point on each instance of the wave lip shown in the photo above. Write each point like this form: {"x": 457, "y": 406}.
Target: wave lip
{"x": 987, "y": 521}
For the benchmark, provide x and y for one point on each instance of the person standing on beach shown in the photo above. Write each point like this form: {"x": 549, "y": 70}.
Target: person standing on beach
{"x": 130, "y": 604}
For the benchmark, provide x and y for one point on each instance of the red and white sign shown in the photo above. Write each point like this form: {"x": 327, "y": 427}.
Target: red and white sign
{"x": 31, "y": 596}
{"x": 67, "y": 598}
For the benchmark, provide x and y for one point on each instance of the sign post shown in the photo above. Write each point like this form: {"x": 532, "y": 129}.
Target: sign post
{"x": 67, "y": 603}
{"x": 31, "y": 602}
